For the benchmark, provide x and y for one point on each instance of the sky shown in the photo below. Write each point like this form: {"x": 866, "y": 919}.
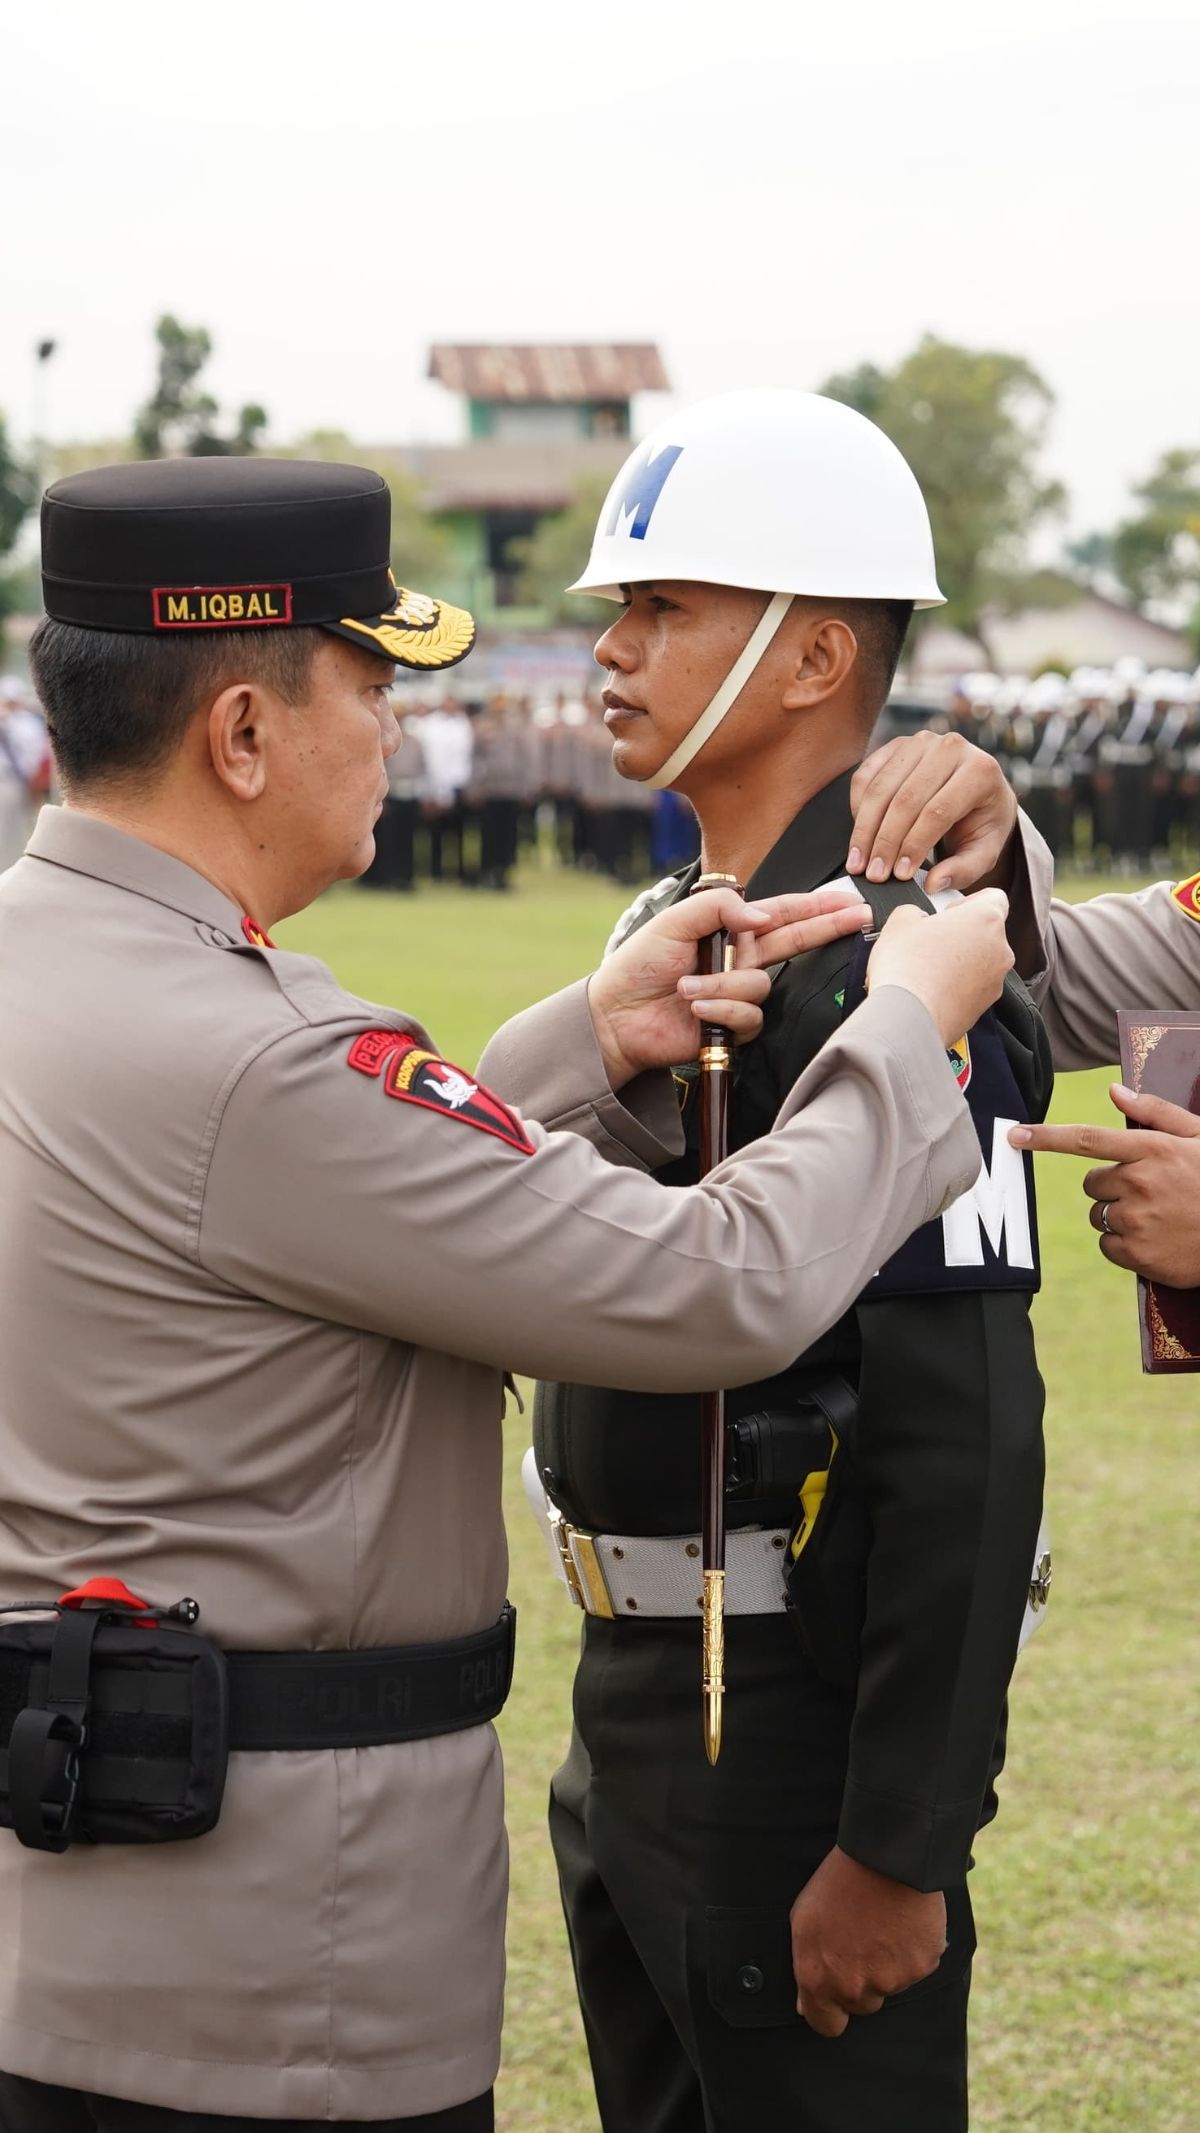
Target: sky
{"x": 770, "y": 192}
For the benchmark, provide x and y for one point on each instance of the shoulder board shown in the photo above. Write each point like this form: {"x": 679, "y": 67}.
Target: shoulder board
{"x": 647, "y": 905}
{"x": 312, "y": 991}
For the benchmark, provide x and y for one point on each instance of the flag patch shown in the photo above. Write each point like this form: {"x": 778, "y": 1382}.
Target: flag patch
{"x": 959, "y": 1056}
{"x": 416, "y": 1076}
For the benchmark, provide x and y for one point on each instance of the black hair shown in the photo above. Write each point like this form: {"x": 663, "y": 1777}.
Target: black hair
{"x": 117, "y": 706}
{"x": 881, "y": 627}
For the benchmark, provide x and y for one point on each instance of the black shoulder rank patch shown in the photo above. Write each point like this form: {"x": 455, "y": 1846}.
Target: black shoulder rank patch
{"x": 415, "y": 1076}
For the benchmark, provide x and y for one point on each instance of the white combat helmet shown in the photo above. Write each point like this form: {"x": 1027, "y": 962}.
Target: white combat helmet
{"x": 777, "y": 491}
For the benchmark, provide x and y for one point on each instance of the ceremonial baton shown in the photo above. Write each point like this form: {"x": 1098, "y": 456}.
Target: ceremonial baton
{"x": 714, "y": 954}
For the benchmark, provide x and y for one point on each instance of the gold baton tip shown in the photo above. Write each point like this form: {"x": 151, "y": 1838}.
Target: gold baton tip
{"x": 712, "y": 1726}
{"x": 714, "y": 1660}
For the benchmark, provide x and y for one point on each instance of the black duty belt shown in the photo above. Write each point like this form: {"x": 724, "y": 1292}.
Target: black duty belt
{"x": 371, "y": 1698}
{"x": 117, "y": 1732}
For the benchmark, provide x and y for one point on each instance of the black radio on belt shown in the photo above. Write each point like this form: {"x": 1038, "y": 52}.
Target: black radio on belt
{"x": 796, "y": 1463}
{"x": 771, "y": 1453}
{"x": 116, "y": 1726}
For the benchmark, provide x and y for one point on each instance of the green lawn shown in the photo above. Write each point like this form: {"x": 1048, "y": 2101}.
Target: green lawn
{"x": 1087, "y": 2006}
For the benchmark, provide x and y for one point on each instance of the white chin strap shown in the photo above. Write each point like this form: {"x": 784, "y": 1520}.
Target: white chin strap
{"x": 726, "y": 696}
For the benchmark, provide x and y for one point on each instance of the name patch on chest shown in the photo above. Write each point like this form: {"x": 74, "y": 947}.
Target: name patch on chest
{"x": 413, "y": 1075}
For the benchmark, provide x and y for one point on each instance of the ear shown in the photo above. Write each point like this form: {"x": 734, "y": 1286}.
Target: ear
{"x": 238, "y": 734}
{"x": 823, "y": 659}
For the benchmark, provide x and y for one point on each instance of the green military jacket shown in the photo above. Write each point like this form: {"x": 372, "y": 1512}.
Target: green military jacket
{"x": 947, "y": 1456}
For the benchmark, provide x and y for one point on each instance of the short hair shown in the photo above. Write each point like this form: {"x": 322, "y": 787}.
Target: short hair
{"x": 881, "y": 627}
{"x": 118, "y": 705}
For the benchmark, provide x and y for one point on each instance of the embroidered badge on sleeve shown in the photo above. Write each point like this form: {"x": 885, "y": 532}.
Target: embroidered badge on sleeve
{"x": 1187, "y": 895}
{"x": 415, "y": 1076}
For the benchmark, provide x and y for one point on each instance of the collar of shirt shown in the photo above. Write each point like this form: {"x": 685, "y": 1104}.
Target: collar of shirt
{"x": 84, "y": 845}
{"x": 811, "y": 851}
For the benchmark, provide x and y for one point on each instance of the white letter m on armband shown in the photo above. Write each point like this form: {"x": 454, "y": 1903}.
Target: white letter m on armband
{"x": 998, "y": 1203}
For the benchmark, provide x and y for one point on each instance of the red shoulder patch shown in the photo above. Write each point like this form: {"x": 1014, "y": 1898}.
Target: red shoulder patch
{"x": 255, "y": 935}
{"x": 415, "y": 1076}
{"x": 1187, "y": 896}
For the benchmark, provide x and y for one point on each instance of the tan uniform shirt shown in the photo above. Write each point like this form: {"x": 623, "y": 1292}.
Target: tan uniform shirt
{"x": 254, "y": 1305}
{"x": 1084, "y": 961}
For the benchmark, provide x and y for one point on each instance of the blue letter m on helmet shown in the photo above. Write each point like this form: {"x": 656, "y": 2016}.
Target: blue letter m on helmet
{"x": 642, "y": 491}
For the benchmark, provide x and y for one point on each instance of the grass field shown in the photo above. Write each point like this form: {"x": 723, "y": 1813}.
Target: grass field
{"x": 1087, "y": 1890}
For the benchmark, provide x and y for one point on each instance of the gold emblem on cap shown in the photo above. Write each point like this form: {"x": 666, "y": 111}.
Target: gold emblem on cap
{"x": 419, "y": 631}
{"x": 416, "y": 610}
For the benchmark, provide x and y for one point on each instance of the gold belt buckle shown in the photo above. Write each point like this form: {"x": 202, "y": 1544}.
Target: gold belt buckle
{"x": 583, "y": 1570}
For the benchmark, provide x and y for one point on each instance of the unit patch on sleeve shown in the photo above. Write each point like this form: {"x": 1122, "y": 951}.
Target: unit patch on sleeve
{"x": 415, "y": 1076}
{"x": 1187, "y": 895}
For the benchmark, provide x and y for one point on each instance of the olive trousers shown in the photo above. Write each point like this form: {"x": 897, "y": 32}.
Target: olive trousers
{"x": 677, "y": 1883}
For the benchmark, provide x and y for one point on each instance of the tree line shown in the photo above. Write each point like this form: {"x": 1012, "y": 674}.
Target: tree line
{"x": 971, "y": 422}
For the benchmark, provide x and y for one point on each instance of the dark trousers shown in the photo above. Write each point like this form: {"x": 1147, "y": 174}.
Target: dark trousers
{"x": 30, "y": 2107}
{"x": 498, "y": 825}
{"x": 677, "y": 1883}
{"x": 395, "y": 845}
{"x": 447, "y": 859}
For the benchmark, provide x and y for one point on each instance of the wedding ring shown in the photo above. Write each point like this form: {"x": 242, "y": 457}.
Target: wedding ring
{"x": 1104, "y": 1222}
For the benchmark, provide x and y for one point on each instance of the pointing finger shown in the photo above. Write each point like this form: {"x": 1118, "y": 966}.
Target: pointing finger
{"x": 1107, "y": 1143}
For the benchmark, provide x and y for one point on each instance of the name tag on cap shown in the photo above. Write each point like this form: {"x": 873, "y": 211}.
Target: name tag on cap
{"x": 200, "y": 607}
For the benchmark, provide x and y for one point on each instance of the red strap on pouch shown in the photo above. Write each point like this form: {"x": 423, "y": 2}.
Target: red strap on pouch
{"x": 114, "y": 1591}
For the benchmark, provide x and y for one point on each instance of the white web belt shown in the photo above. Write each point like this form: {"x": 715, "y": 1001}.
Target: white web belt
{"x": 624, "y": 1575}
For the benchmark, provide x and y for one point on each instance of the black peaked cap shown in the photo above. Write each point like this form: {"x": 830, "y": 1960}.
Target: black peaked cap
{"x": 166, "y": 545}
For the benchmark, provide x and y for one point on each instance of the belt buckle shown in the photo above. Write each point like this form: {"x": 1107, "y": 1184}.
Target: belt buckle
{"x": 583, "y": 1570}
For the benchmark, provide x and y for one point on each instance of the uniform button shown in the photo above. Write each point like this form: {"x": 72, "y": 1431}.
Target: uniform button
{"x": 213, "y": 937}
{"x": 750, "y": 1978}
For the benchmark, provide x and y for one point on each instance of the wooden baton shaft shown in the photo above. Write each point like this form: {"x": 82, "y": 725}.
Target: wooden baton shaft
{"x": 716, "y": 1082}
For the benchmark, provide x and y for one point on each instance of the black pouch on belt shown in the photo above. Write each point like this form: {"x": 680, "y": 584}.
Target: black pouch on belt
{"x": 110, "y": 1732}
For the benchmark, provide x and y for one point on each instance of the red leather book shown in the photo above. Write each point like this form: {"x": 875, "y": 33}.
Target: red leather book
{"x": 1160, "y": 1054}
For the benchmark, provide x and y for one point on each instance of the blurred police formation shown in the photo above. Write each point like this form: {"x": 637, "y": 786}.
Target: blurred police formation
{"x": 1105, "y": 761}
{"x": 25, "y": 765}
{"x": 476, "y": 785}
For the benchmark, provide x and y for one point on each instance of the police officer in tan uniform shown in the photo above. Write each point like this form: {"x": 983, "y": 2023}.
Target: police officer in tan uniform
{"x": 1081, "y": 962}
{"x": 266, "y": 1256}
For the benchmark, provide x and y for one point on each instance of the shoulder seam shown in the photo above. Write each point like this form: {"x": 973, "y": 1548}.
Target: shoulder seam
{"x": 357, "y": 1019}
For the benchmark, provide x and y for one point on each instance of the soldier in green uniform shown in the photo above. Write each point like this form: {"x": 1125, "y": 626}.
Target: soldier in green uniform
{"x": 787, "y": 1937}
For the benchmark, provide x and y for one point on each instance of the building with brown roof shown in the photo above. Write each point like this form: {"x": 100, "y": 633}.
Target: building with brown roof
{"x": 540, "y": 419}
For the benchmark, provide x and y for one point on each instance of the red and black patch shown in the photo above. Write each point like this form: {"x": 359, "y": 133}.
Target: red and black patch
{"x": 1187, "y": 895}
{"x": 255, "y": 934}
{"x": 416, "y": 1076}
